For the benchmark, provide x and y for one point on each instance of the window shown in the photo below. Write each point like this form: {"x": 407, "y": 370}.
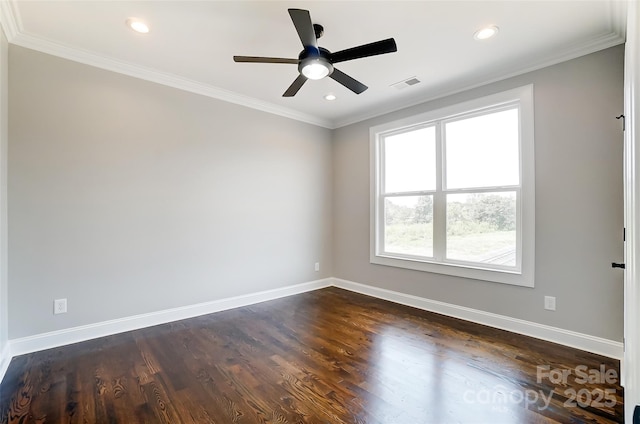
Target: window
{"x": 453, "y": 190}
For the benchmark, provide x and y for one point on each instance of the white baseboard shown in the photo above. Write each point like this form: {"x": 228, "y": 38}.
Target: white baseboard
{"x": 53, "y": 339}
{"x": 5, "y": 359}
{"x": 106, "y": 328}
{"x": 600, "y": 346}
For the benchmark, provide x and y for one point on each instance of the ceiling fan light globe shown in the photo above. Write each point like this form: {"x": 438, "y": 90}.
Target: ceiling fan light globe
{"x": 315, "y": 69}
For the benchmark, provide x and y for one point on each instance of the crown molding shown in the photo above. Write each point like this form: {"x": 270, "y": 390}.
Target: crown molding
{"x": 605, "y": 41}
{"x": 618, "y": 16}
{"x": 10, "y": 19}
{"x": 89, "y": 58}
{"x": 12, "y": 26}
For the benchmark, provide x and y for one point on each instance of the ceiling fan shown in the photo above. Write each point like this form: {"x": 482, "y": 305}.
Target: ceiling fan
{"x": 316, "y": 62}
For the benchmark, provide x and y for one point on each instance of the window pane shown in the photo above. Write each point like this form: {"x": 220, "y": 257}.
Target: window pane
{"x": 408, "y": 225}
{"x": 482, "y": 228}
{"x": 410, "y": 161}
{"x": 483, "y": 151}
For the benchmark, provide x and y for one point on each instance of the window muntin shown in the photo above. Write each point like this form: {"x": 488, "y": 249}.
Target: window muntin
{"x": 452, "y": 199}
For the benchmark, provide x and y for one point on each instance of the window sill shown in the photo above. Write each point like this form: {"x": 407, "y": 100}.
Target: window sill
{"x": 522, "y": 279}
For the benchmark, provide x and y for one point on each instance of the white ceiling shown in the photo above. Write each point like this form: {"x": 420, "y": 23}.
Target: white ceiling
{"x": 191, "y": 45}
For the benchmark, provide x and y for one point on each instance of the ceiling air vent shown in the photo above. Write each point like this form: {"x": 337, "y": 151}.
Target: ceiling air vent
{"x": 406, "y": 83}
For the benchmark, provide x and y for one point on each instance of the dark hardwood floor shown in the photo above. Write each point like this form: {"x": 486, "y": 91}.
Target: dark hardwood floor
{"x": 329, "y": 356}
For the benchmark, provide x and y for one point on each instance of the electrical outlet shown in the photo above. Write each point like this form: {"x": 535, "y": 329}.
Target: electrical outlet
{"x": 317, "y": 266}
{"x": 60, "y": 306}
{"x": 550, "y": 303}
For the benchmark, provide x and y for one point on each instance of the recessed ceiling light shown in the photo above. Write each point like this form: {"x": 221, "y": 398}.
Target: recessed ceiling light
{"x": 487, "y": 32}
{"x": 137, "y": 25}
{"x": 330, "y": 96}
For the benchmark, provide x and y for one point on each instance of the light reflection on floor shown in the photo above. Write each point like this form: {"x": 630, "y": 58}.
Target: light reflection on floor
{"x": 437, "y": 375}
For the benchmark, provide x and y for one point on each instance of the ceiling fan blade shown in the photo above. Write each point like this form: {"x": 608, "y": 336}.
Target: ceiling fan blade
{"x": 302, "y": 21}
{"x": 293, "y": 88}
{"x": 366, "y": 50}
{"x": 258, "y": 59}
{"x": 344, "y": 79}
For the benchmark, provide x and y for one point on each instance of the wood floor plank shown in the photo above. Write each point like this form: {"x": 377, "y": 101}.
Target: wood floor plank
{"x": 329, "y": 356}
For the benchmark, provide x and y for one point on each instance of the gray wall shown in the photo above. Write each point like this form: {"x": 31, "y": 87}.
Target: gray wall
{"x": 4, "y": 135}
{"x": 579, "y": 203}
{"x": 129, "y": 197}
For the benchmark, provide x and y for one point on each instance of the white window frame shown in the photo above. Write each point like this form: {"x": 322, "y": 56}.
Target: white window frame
{"x": 523, "y": 273}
